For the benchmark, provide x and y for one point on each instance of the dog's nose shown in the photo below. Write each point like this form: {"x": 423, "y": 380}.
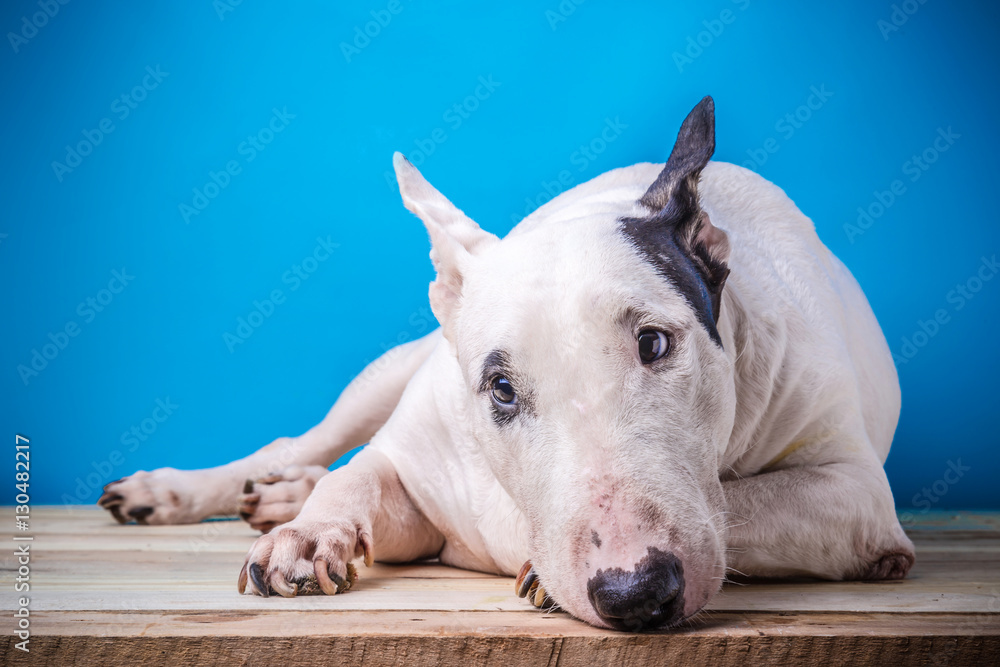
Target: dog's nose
{"x": 649, "y": 596}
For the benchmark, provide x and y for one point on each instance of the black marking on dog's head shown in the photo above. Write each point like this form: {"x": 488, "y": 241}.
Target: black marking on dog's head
{"x": 668, "y": 238}
{"x": 697, "y": 275}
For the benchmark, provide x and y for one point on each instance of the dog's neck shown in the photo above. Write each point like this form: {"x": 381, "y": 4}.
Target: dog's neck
{"x": 749, "y": 340}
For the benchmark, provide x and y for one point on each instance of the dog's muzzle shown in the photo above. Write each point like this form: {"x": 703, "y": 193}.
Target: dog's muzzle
{"x": 650, "y": 596}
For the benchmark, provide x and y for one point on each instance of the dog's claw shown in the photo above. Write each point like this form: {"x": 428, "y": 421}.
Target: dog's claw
{"x": 117, "y": 514}
{"x": 241, "y": 585}
{"x": 140, "y": 513}
{"x": 248, "y": 504}
{"x": 525, "y": 578}
{"x": 257, "y": 579}
{"x": 531, "y": 590}
{"x": 248, "y": 486}
{"x": 528, "y": 586}
{"x": 109, "y": 499}
{"x": 323, "y": 577}
{"x": 541, "y": 599}
{"x": 366, "y": 545}
{"x": 284, "y": 589}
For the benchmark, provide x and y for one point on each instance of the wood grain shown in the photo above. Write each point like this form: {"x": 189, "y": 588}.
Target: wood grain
{"x": 108, "y": 594}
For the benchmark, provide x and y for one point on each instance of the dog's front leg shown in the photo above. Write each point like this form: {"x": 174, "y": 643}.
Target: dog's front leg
{"x": 353, "y": 511}
{"x": 282, "y": 473}
{"x": 834, "y": 521}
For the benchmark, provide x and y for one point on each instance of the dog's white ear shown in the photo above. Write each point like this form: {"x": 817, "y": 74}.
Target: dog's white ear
{"x": 455, "y": 238}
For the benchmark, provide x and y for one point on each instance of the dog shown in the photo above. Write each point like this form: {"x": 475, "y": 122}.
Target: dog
{"x": 657, "y": 378}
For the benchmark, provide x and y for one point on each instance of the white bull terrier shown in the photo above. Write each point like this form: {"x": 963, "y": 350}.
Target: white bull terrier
{"x": 656, "y": 378}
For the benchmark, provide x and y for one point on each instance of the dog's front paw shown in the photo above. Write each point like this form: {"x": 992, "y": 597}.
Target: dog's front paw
{"x": 163, "y": 496}
{"x": 277, "y": 498}
{"x": 303, "y": 557}
{"x": 527, "y": 585}
{"x": 889, "y": 566}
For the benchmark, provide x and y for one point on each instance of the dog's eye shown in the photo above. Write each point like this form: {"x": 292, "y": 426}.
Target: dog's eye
{"x": 652, "y": 345}
{"x": 503, "y": 391}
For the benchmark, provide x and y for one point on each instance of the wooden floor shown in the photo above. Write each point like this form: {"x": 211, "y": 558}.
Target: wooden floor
{"x": 108, "y": 594}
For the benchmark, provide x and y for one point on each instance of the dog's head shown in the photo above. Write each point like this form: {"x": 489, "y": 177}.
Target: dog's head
{"x": 597, "y": 385}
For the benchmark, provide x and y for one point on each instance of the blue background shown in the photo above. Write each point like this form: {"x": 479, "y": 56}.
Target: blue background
{"x": 324, "y": 175}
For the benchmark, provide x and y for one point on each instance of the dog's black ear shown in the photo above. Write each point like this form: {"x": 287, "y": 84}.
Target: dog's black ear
{"x": 692, "y": 151}
{"x": 677, "y": 237}
{"x": 455, "y": 238}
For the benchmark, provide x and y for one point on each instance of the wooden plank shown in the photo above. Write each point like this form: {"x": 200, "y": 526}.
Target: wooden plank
{"x": 151, "y": 580}
{"x": 513, "y": 651}
{"x": 272, "y": 623}
{"x": 724, "y": 640}
{"x": 103, "y": 593}
{"x": 480, "y": 599}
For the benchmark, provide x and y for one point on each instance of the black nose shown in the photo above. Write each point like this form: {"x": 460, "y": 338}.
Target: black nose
{"x": 649, "y": 596}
